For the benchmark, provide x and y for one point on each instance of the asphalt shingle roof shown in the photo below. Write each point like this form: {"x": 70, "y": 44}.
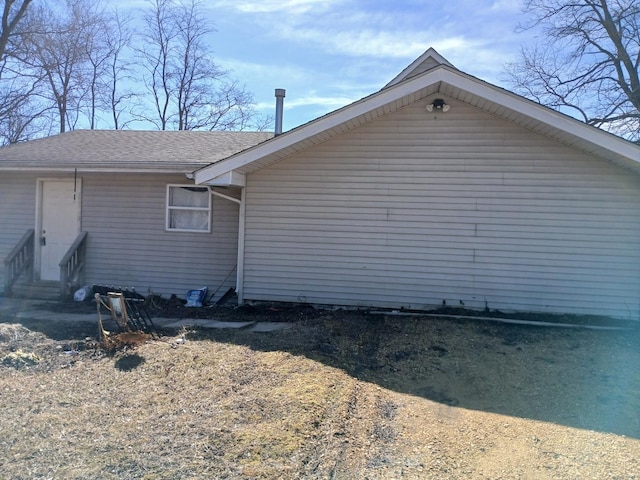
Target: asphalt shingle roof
{"x": 127, "y": 150}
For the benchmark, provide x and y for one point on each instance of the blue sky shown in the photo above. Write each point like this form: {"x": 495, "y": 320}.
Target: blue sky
{"x": 328, "y": 53}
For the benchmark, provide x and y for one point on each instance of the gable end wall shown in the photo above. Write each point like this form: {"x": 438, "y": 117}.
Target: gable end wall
{"x": 418, "y": 208}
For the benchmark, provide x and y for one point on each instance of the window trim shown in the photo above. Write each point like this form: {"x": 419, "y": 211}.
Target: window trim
{"x": 169, "y": 208}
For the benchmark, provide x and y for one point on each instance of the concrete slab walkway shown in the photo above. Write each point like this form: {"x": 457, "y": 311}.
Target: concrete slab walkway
{"x": 189, "y": 322}
{"x": 32, "y": 309}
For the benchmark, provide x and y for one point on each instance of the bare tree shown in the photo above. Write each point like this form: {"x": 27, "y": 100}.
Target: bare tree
{"x": 67, "y": 48}
{"x": 23, "y": 119}
{"x": 118, "y": 39}
{"x": 587, "y": 63}
{"x": 157, "y": 52}
{"x": 98, "y": 54}
{"x": 189, "y": 90}
{"x": 12, "y": 13}
{"x": 70, "y": 64}
{"x": 195, "y": 72}
{"x": 107, "y": 67}
{"x": 16, "y": 86}
{"x": 18, "y": 94}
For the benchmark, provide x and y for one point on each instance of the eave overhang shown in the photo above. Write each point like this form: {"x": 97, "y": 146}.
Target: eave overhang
{"x": 446, "y": 81}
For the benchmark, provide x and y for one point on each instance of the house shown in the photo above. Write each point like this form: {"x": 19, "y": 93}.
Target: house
{"x": 119, "y": 209}
{"x": 438, "y": 188}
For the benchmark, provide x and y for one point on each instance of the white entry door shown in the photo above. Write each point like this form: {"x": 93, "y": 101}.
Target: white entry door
{"x": 60, "y": 224}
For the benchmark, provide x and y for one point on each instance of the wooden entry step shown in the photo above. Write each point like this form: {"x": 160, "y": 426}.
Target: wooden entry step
{"x": 39, "y": 290}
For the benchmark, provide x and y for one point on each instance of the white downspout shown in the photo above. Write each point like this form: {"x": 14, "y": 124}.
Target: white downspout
{"x": 240, "y": 262}
{"x": 240, "y": 268}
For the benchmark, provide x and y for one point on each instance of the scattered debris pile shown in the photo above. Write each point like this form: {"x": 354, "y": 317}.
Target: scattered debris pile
{"x": 14, "y": 339}
{"x": 22, "y": 348}
{"x": 133, "y": 324}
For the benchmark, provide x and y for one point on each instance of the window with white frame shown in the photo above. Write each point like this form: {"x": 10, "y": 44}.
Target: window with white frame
{"x": 188, "y": 208}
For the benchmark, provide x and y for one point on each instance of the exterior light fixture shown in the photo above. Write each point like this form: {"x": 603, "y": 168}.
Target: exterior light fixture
{"x": 438, "y": 104}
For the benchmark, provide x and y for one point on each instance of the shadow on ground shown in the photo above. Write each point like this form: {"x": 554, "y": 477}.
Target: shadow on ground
{"x": 57, "y": 330}
{"x": 129, "y": 362}
{"x": 580, "y": 378}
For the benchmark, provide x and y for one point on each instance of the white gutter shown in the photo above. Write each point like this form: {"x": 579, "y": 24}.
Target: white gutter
{"x": 83, "y": 169}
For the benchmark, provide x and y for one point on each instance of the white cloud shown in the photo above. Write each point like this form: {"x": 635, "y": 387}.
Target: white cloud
{"x": 507, "y": 6}
{"x": 264, "y": 70}
{"x": 296, "y": 7}
{"x": 358, "y": 43}
{"x": 329, "y": 53}
{"x": 313, "y": 99}
{"x": 357, "y": 32}
{"x": 377, "y": 42}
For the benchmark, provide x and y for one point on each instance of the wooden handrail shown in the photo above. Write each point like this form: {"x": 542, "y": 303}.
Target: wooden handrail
{"x": 73, "y": 262}
{"x": 19, "y": 259}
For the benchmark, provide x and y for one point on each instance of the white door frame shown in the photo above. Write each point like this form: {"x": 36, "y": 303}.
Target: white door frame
{"x": 38, "y": 226}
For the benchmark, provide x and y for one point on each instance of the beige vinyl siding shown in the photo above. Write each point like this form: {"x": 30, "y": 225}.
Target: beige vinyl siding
{"x": 418, "y": 208}
{"x": 128, "y": 245}
{"x": 17, "y": 211}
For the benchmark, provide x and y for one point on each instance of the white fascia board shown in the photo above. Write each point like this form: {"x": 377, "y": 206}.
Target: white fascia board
{"x": 228, "y": 179}
{"x": 443, "y": 74}
{"x": 544, "y": 115}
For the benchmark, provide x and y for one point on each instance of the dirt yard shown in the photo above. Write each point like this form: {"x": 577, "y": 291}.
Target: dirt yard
{"x": 340, "y": 395}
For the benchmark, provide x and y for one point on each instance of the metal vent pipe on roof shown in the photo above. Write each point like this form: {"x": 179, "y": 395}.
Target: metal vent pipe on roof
{"x": 280, "y": 93}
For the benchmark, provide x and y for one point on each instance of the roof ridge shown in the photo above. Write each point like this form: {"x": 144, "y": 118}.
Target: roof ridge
{"x": 428, "y": 60}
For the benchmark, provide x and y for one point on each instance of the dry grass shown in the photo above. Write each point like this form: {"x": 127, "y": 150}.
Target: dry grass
{"x": 340, "y": 395}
